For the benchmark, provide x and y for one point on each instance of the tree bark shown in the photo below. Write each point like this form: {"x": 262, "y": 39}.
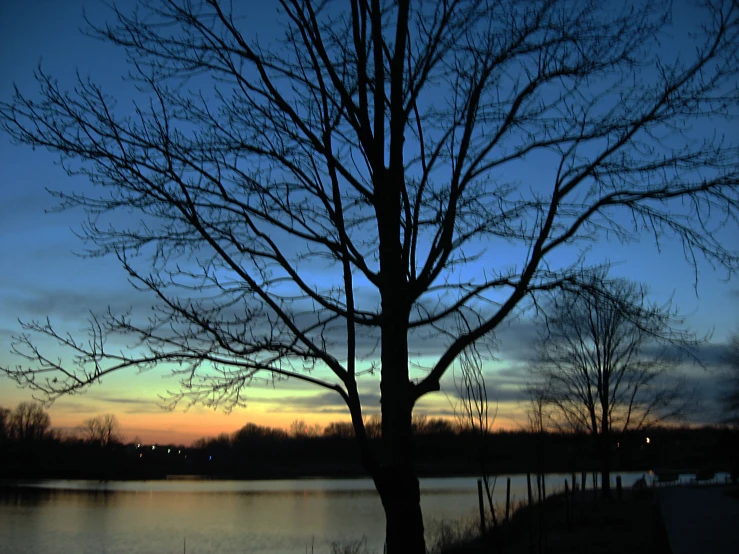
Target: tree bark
{"x": 605, "y": 457}
{"x": 395, "y": 476}
{"x": 606, "y": 477}
{"x": 401, "y": 498}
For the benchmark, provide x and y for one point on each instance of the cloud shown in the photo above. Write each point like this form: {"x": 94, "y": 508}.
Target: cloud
{"x": 498, "y": 394}
{"x": 71, "y": 305}
{"x": 72, "y": 407}
{"x": 25, "y": 208}
{"x": 326, "y": 402}
{"x": 126, "y": 404}
{"x": 713, "y": 354}
{"x": 511, "y": 374}
{"x": 122, "y": 400}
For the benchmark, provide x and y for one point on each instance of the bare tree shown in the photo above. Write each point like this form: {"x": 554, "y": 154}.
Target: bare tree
{"x": 608, "y": 361}
{"x": 473, "y": 412}
{"x": 315, "y": 206}
{"x": 339, "y": 429}
{"x": 538, "y": 416}
{"x": 29, "y": 422}
{"x": 4, "y": 423}
{"x": 103, "y": 430}
{"x": 299, "y": 429}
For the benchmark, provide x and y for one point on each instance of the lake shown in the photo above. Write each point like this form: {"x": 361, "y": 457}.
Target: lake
{"x": 221, "y": 517}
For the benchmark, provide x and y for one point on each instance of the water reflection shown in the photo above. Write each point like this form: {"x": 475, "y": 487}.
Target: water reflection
{"x": 266, "y": 517}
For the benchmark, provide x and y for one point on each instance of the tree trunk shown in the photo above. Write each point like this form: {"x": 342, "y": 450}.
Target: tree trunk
{"x": 401, "y": 498}
{"x": 605, "y": 460}
{"x": 606, "y": 475}
{"x": 395, "y": 477}
{"x": 605, "y": 436}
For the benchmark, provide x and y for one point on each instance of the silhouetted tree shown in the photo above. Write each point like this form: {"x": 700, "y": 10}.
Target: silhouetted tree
{"x": 608, "y": 361}
{"x": 4, "y": 423}
{"x": 538, "y": 418}
{"x": 339, "y": 429}
{"x": 252, "y": 431}
{"x": 221, "y": 443}
{"x": 730, "y": 393}
{"x": 364, "y": 178}
{"x": 300, "y": 429}
{"x": 29, "y": 422}
{"x": 423, "y": 425}
{"x": 102, "y": 430}
{"x": 473, "y": 412}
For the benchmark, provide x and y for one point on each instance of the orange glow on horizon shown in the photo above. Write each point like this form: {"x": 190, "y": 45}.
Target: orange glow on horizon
{"x": 182, "y": 428}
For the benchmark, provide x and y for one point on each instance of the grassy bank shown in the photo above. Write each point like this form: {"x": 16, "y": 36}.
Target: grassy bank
{"x": 581, "y": 524}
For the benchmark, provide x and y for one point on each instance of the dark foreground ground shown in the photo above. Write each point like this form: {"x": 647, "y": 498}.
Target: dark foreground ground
{"x": 701, "y": 519}
{"x": 673, "y": 520}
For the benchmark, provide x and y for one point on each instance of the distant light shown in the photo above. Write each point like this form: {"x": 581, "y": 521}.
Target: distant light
{"x": 210, "y": 458}
{"x": 138, "y": 445}
{"x": 141, "y": 455}
{"x": 648, "y": 441}
{"x": 168, "y": 450}
{"x": 179, "y": 452}
{"x": 153, "y": 446}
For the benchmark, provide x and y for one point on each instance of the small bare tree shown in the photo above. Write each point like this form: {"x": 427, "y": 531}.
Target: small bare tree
{"x": 472, "y": 412}
{"x": 102, "y": 430}
{"x": 608, "y": 361}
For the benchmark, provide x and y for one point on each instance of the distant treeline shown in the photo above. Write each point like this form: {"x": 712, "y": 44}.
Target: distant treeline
{"x": 440, "y": 448}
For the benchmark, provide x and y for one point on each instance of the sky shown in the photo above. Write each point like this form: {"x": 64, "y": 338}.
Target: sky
{"x": 43, "y": 276}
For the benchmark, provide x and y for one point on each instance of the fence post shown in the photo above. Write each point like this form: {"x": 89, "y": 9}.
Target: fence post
{"x": 508, "y": 500}
{"x": 542, "y": 523}
{"x": 528, "y": 486}
{"x": 595, "y": 486}
{"x": 482, "y": 506}
{"x": 543, "y": 488}
{"x": 531, "y": 513}
{"x": 567, "y": 503}
{"x": 618, "y": 487}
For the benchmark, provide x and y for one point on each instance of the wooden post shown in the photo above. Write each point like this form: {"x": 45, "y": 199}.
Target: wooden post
{"x": 595, "y": 485}
{"x": 542, "y": 498}
{"x": 574, "y": 490}
{"x": 538, "y": 486}
{"x": 482, "y": 506}
{"x": 618, "y": 487}
{"x": 528, "y": 486}
{"x": 543, "y": 488}
{"x": 531, "y": 513}
{"x": 567, "y": 503}
{"x": 583, "y": 477}
{"x": 508, "y": 500}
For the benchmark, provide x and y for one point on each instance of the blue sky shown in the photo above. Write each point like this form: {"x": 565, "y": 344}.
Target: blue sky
{"x": 42, "y": 276}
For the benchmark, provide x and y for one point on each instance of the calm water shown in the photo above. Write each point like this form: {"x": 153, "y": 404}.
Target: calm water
{"x": 219, "y": 517}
